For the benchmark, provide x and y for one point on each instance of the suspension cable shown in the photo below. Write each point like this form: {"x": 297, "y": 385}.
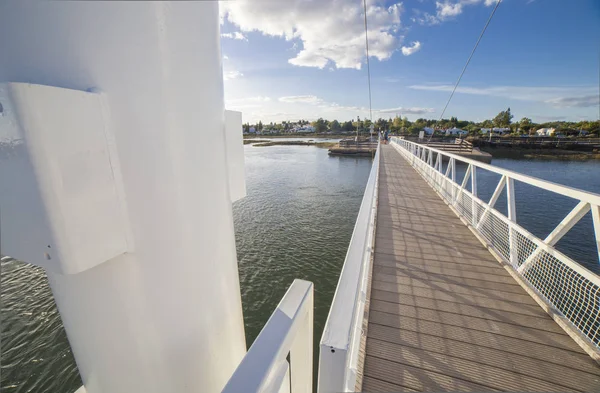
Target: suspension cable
{"x": 368, "y": 65}
{"x": 468, "y": 61}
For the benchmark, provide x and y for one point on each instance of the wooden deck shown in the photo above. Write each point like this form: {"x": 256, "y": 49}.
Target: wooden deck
{"x": 444, "y": 315}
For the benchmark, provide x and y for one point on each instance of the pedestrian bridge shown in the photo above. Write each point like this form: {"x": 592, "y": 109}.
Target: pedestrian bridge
{"x": 441, "y": 291}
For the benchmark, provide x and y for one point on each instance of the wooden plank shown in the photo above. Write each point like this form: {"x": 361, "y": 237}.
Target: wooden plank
{"x": 445, "y": 315}
{"x": 417, "y": 276}
{"x": 376, "y": 385}
{"x": 396, "y": 297}
{"x": 433, "y": 280}
{"x": 443, "y": 265}
{"x": 453, "y": 275}
{"x": 418, "y": 378}
{"x": 511, "y": 352}
{"x": 435, "y": 312}
{"x": 467, "y": 334}
{"x": 465, "y": 369}
{"x": 465, "y": 294}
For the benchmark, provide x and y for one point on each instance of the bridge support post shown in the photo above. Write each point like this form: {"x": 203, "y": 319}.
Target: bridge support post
{"x": 166, "y": 315}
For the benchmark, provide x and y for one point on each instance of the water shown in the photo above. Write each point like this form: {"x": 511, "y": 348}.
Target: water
{"x": 296, "y": 222}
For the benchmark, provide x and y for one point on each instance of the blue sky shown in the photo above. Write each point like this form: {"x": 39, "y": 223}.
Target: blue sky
{"x": 293, "y": 59}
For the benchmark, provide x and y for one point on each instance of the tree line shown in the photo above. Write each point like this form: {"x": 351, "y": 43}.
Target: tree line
{"x": 402, "y": 125}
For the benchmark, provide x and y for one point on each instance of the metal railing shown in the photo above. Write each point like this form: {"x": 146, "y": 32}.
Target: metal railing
{"x": 568, "y": 288}
{"x": 340, "y": 343}
{"x": 289, "y": 331}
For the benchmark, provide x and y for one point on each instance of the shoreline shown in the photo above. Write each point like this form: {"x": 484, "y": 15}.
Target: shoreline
{"x": 541, "y": 154}
{"x": 263, "y": 143}
{"x": 302, "y": 135}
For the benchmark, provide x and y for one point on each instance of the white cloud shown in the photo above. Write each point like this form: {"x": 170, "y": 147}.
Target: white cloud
{"x": 579, "y": 102}
{"x": 236, "y": 35}
{"x": 308, "y": 99}
{"x": 561, "y": 97}
{"x": 333, "y": 107}
{"x": 225, "y": 57}
{"x": 329, "y": 31}
{"x": 409, "y": 50}
{"x": 233, "y": 74}
{"x": 446, "y": 10}
{"x": 407, "y": 111}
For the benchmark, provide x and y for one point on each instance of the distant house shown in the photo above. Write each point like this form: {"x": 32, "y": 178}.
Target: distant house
{"x": 546, "y": 132}
{"x": 496, "y": 130}
{"x": 306, "y": 129}
{"x": 252, "y": 130}
{"x": 456, "y": 131}
{"x": 428, "y": 131}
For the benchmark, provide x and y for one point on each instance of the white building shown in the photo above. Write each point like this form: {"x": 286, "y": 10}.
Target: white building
{"x": 456, "y": 131}
{"x": 496, "y": 130}
{"x": 546, "y": 132}
{"x": 306, "y": 129}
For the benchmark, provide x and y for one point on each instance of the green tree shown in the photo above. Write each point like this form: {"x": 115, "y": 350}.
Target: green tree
{"x": 413, "y": 130}
{"x": 472, "y": 128}
{"x": 503, "y": 119}
{"x": 405, "y": 123}
{"x": 525, "y": 124}
{"x": 320, "y": 125}
{"x": 335, "y": 126}
{"x": 381, "y": 124}
{"x": 260, "y": 126}
{"x": 421, "y": 123}
{"x": 487, "y": 124}
{"x": 347, "y": 126}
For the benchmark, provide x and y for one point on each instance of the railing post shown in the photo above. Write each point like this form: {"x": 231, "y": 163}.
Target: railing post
{"x": 596, "y": 221}
{"x": 512, "y": 216}
{"x": 453, "y": 164}
{"x": 474, "y": 195}
{"x": 301, "y": 354}
{"x": 436, "y": 170}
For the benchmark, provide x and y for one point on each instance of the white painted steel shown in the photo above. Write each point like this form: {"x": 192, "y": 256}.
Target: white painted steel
{"x": 596, "y": 220}
{"x": 289, "y": 330}
{"x": 339, "y": 347}
{"x": 234, "y": 139}
{"x": 47, "y": 214}
{"x": 167, "y": 317}
{"x": 571, "y": 289}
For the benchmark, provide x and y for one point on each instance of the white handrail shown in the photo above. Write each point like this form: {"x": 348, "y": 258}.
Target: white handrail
{"x": 569, "y": 288}
{"x": 289, "y": 330}
{"x": 571, "y": 192}
{"x": 339, "y": 348}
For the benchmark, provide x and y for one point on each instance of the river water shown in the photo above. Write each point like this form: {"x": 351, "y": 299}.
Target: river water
{"x": 296, "y": 222}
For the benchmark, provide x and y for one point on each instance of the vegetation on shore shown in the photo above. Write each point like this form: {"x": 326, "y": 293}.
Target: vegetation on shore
{"x": 402, "y": 125}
